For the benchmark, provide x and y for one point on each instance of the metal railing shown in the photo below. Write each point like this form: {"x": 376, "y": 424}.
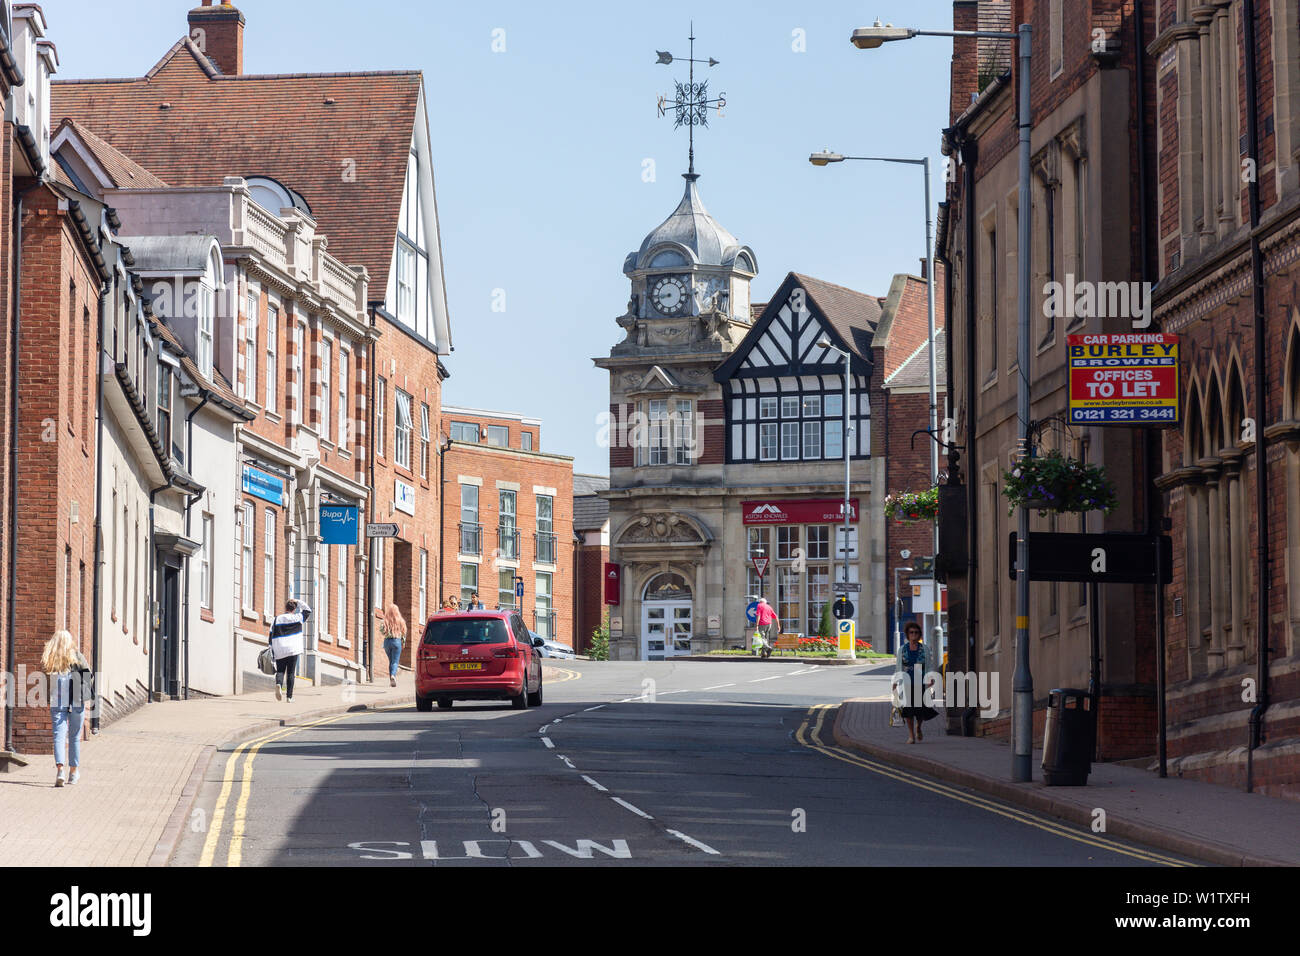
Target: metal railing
{"x": 545, "y": 542}
{"x": 471, "y": 537}
{"x": 508, "y": 543}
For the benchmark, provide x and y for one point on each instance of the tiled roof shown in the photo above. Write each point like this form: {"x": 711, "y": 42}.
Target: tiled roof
{"x": 590, "y": 513}
{"x": 588, "y": 484}
{"x": 125, "y": 172}
{"x": 219, "y": 386}
{"x": 916, "y": 369}
{"x": 348, "y": 158}
{"x": 853, "y": 314}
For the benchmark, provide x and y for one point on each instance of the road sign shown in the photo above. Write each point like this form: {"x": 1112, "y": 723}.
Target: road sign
{"x": 760, "y": 565}
{"x": 842, "y": 608}
{"x": 1123, "y": 378}
{"x": 847, "y": 587}
{"x": 847, "y": 632}
{"x": 382, "y": 530}
{"x": 519, "y": 587}
{"x": 1110, "y": 558}
{"x": 751, "y": 612}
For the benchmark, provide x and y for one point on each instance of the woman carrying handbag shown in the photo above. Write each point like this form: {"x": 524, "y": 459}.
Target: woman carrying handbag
{"x": 71, "y": 687}
{"x": 392, "y": 626}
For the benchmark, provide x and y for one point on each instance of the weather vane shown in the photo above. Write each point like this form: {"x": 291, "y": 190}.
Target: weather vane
{"x": 692, "y": 103}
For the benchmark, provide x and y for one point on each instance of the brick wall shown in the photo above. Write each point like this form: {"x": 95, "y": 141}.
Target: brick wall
{"x": 590, "y": 605}
{"x": 527, "y": 470}
{"x": 56, "y": 450}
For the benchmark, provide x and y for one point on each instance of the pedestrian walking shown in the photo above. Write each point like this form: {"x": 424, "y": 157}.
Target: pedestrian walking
{"x": 768, "y": 625}
{"x": 474, "y": 603}
{"x": 393, "y": 628}
{"x": 286, "y": 644}
{"x": 916, "y": 711}
{"x": 71, "y": 684}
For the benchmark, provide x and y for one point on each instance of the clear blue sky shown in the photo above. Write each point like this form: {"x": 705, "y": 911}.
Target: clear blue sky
{"x": 539, "y": 151}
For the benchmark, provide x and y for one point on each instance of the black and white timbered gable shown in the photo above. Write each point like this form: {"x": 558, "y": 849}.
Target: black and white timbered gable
{"x": 783, "y": 394}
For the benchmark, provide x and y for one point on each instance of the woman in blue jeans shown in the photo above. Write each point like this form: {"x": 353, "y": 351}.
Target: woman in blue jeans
{"x": 392, "y": 627}
{"x": 64, "y": 665}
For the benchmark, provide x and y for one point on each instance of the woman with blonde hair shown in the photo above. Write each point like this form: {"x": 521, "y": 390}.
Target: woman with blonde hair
{"x": 64, "y": 665}
{"x": 393, "y": 628}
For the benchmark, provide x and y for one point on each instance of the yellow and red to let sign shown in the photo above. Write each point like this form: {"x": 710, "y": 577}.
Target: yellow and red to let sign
{"x": 1123, "y": 378}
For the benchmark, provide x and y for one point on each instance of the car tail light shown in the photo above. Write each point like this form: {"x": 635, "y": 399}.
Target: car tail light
{"x": 508, "y": 651}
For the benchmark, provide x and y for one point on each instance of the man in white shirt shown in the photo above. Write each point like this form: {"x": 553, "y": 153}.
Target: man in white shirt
{"x": 287, "y": 644}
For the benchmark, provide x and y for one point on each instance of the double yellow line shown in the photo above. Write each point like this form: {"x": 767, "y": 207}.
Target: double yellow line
{"x": 563, "y": 672}
{"x": 810, "y": 739}
{"x": 248, "y": 750}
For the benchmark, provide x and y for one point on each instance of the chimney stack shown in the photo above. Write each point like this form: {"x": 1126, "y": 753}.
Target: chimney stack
{"x": 217, "y": 29}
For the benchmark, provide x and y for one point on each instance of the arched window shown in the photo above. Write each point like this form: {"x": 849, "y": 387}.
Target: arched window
{"x": 667, "y": 258}
{"x": 667, "y": 587}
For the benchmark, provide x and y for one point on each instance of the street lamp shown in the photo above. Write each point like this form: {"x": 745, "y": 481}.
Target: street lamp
{"x": 825, "y": 343}
{"x": 825, "y": 157}
{"x": 1022, "y": 706}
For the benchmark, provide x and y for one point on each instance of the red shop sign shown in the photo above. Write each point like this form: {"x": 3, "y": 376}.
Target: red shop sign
{"x": 803, "y": 511}
{"x": 613, "y": 578}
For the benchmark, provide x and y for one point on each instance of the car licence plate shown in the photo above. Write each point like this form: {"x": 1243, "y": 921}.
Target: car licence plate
{"x": 467, "y": 667}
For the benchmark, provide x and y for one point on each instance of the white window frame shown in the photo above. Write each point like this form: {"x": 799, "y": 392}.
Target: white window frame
{"x": 326, "y": 357}
{"x": 769, "y": 450}
{"x": 323, "y": 586}
{"x": 344, "y": 355}
{"x": 205, "y": 330}
{"x": 205, "y": 564}
{"x": 272, "y": 330}
{"x": 268, "y": 563}
{"x": 342, "y": 602}
{"x": 787, "y": 429}
{"x": 251, "y": 320}
{"x": 381, "y": 402}
{"x": 493, "y": 431}
{"x": 406, "y": 270}
{"x": 377, "y": 583}
{"x": 812, "y": 450}
{"x": 246, "y": 556}
{"x": 402, "y": 427}
{"x": 424, "y": 586}
{"x": 424, "y": 440}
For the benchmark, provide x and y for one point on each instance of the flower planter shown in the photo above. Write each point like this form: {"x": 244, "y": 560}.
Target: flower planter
{"x": 1056, "y": 483}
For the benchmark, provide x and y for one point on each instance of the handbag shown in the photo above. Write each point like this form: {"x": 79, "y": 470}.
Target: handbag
{"x": 84, "y": 687}
{"x": 266, "y": 661}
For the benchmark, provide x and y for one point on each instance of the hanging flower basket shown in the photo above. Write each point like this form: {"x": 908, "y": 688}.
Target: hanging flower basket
{"x": 1054, "y": 482}
{"x": 909, "y": 506}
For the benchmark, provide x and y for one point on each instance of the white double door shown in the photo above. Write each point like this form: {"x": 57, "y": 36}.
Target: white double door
{"x": 665, "y": 629}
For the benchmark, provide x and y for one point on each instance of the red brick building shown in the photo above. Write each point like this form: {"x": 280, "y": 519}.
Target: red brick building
{"x": 507, "y": 516}
{"x": 590, "y": 553}
{"x": 1225, "y": 234}
{"x": 351, "y": 152}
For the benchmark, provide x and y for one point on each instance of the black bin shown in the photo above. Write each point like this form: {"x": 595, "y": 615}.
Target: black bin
{"x": 1068, "y": 738}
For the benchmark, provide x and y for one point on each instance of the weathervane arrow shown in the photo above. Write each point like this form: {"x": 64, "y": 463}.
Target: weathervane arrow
{"x": 692, "y": 103}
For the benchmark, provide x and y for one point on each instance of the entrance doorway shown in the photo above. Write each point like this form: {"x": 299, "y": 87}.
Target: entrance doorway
{"x": 666, "y": 618}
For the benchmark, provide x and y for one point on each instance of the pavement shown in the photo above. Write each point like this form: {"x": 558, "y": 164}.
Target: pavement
{"x": 1206, "y": 821}
{"x": 140, "y": 773}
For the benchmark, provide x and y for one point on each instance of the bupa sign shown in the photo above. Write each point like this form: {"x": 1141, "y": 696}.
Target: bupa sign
{"x": 338, "y": 524}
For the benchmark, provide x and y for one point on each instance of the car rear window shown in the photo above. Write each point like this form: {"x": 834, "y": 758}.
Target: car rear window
{"x": 467, "y": 630}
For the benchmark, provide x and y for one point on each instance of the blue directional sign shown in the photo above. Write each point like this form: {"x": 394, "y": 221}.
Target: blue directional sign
{"x": 751, "y": 612}
{"x": 519, "y": 587}
{"x": 261, "y": 484}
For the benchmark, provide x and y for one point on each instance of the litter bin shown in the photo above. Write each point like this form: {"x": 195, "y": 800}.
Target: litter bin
{"x": 1067, "y": 739}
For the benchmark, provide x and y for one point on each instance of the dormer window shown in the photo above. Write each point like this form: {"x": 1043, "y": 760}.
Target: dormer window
{"x": 667, "y": 259}
{"x": 273, "y": 195}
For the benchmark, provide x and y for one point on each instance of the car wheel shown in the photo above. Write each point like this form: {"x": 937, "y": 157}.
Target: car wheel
{"x": 535, "y": 700}
{"x": 521, "y": 701}
{"x": 444, "y": 703}
{"x": 423, "y": 704}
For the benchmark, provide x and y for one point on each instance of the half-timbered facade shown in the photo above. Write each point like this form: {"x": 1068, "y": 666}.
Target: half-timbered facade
{"x": 727, "y": 442}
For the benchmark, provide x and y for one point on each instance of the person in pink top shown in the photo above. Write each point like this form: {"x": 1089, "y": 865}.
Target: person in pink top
{"x": 768, "y": 625}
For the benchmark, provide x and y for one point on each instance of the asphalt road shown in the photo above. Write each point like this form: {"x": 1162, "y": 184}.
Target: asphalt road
{"x": 660, "y": 763}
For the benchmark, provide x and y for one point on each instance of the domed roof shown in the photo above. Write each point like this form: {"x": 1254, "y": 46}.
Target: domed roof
{"x": 692, "y": 231}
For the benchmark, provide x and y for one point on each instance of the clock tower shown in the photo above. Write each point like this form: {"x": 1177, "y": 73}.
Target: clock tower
{"x": 689, "y": 307}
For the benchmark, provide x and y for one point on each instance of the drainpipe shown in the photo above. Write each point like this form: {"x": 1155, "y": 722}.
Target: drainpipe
{"x": 189, "y": 464}
{"x": 98, "y": 546}
{"x": 15, "y": 337}
{"x": 970, "y": 155}
{"x": 1261, "y": 395}
{"x": 367, "y": 651}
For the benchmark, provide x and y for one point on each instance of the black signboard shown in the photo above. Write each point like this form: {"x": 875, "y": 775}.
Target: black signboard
{"x": 1111, "y": 558}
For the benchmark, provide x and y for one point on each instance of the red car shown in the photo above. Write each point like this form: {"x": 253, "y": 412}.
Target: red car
{"x": 477, "y": 655}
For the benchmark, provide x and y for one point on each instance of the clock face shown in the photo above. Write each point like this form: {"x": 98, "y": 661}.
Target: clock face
{"x": 669, "y": 295}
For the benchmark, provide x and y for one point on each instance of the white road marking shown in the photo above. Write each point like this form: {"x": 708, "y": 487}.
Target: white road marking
{"x": 595, "y": 784}
{"x": 665, "y": 693}
{"x": 639, "y": 812}
{"x": 717, "y": 686}
{"x": 547, "y": 741}
{"x": 597, "y": 707}
{"x": 695, "y": 843}
{"x": 543, "y": 728}
{"x": 567, "y": 761}
{"x": 759, "y": 680}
